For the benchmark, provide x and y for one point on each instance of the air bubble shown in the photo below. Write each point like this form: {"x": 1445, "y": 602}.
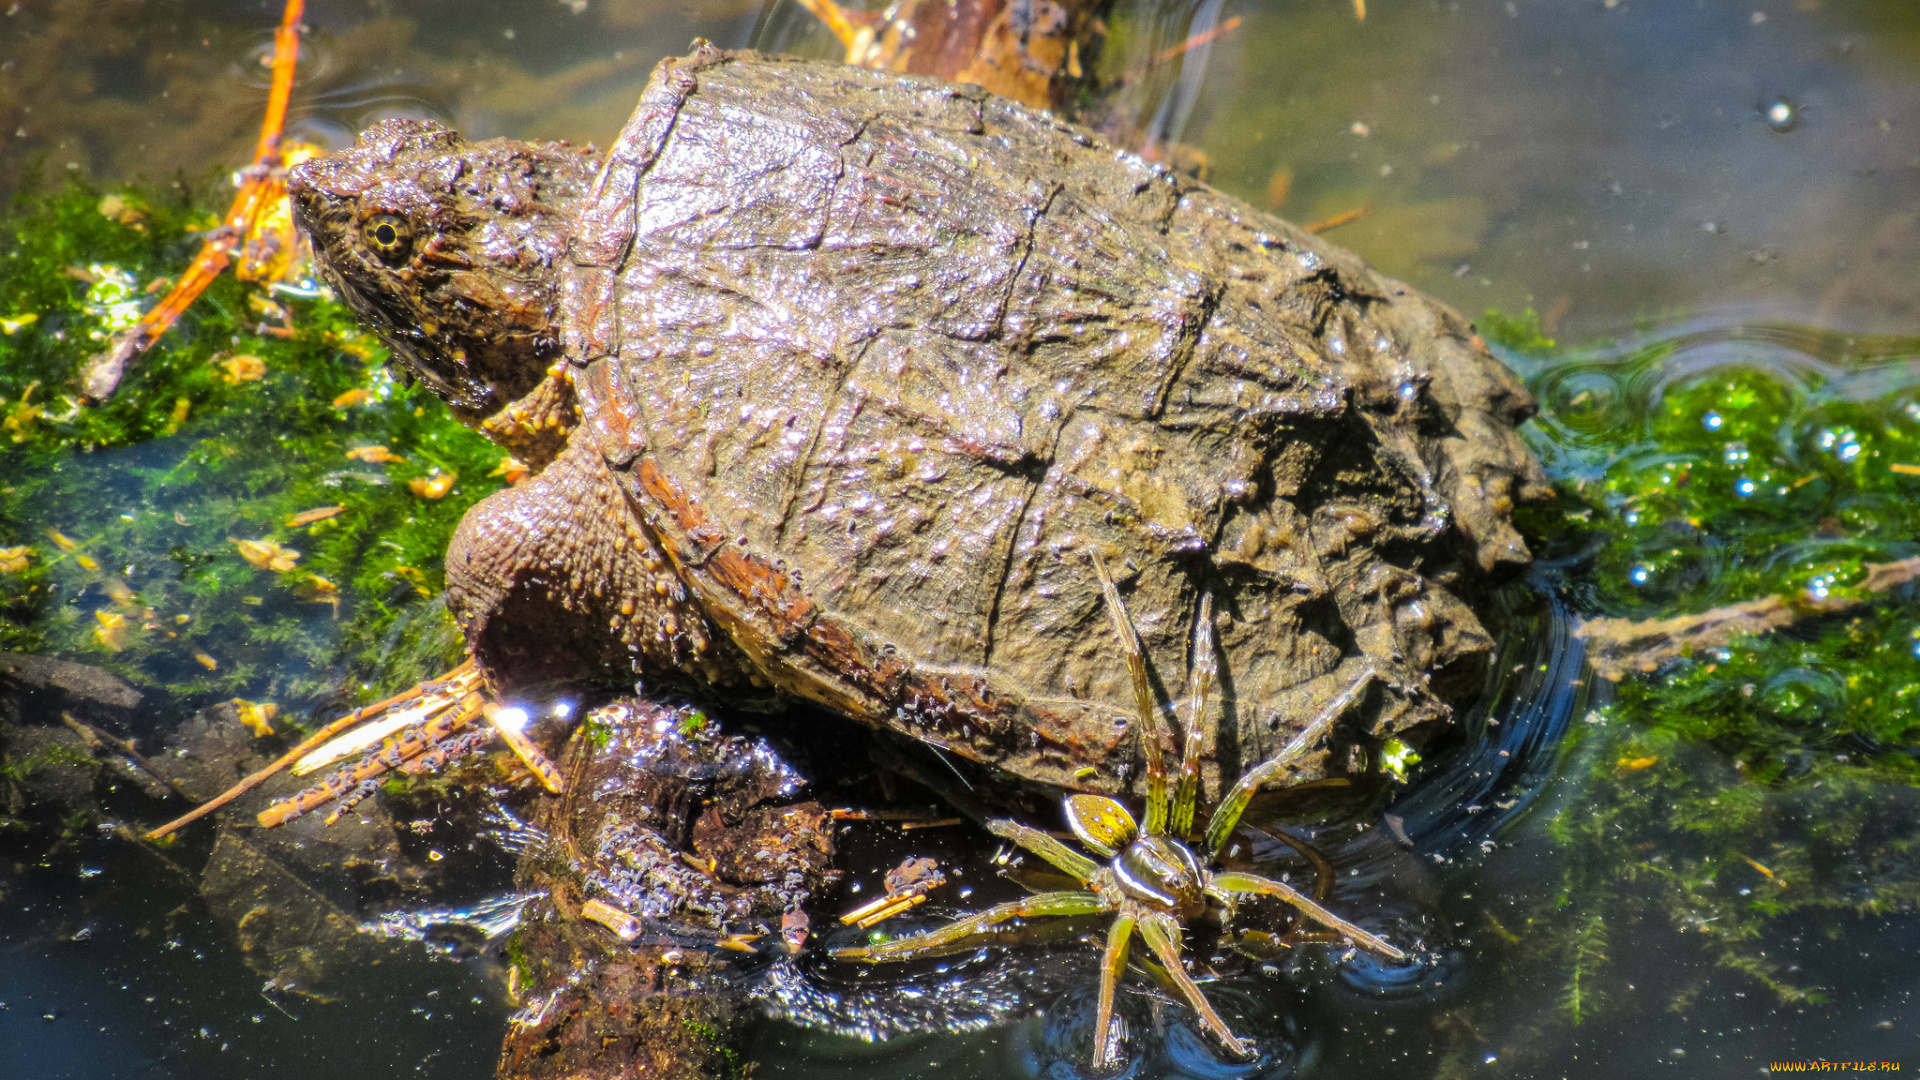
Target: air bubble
{"x": 1782, "y": 115}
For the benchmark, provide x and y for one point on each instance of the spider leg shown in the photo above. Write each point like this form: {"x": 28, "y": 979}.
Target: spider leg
{"x": 1161, "y": 932}
{"x": 1234, "y": 882}
{"x": 1046, "y": 847}
{"x": 1205, "y": 667}
{"x": 1151, "y": 734}
{"x": 1227, "y": 814}
{"x": 1113, "y": 962}
{"x": 1039, "y": 904}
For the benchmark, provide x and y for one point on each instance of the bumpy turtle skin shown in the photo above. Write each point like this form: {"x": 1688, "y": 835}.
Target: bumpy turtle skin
{"x": 473, "y": 311}
{"x": 867, "y": 365}
{"x": 878, "y": 358}
{"x": 556, "y": 580}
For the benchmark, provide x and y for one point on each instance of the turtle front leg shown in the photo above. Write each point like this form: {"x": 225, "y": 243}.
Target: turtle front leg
{"x": 534, "y": 429}
{"x": 556, "y": 580}
{"x": 551, "y": 581}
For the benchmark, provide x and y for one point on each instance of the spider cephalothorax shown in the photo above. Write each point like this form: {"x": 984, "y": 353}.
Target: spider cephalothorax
{"x": 1152, "y": 882}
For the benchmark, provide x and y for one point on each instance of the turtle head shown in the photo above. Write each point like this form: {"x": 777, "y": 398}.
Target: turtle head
{"x": 450, "y": 250}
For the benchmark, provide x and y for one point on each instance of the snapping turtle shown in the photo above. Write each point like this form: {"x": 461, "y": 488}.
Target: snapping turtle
{"x": 837, "y": 379}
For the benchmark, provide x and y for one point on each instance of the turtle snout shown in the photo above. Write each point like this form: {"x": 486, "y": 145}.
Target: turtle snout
{"x": 320, "y": 183}
{"x": 303, "y": 188}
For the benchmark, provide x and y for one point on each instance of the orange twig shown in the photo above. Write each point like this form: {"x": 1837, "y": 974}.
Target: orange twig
{"x": 1174, "y": 52}
{"x": 307, "y": 745}
{"x": 1347, "y": 217}
{"x": 1197, "y": 40}
{"x": 286, "y": 51}
{"x": 837, "y": 19}
{"x": 104, "y": 371}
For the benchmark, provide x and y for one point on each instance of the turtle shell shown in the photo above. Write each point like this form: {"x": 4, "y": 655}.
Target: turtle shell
{"x": 880, "y": 361}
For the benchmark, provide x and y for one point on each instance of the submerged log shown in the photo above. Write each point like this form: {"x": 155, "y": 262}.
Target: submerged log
{"x": 1037, "y": 52}
{"x": 672, "y": 868}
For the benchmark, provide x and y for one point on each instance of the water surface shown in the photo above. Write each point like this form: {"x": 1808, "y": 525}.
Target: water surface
{"x": 1708, "y": 206}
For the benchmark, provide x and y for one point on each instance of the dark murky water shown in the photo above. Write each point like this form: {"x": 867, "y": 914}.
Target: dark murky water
{"x": 1703, "y": 186}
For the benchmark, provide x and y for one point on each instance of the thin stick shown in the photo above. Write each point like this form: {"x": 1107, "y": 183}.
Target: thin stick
{"x": 1175, "y": 52}
{"x": 103, "y": 372}
{"x": 96, "y": 737}
{"x": 1345, "y": 217}
{"x": 286, "y": 52}
{"x": 537, "y": 763}
{"x": 835, "y": 18}
{"x": 1620, "y": 647}
{"x": 349, "y": 786}
{"x": 306, "y": 746}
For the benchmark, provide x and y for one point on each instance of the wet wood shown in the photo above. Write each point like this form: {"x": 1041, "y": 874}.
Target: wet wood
{"x": 676, "y": 857}
{"x": 1037, "y": 52}
{"x": 1620, "y": 647}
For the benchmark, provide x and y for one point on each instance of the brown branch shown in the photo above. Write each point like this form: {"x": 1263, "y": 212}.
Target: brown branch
{"x": 96, "y": 738}
{"x": 1030, "y": 53}
{"x": 416, "y": 742}
{"x": 103, "y": 373}
{"x": 1345, "y": 217}
{"x": 307, "y": 745}
{"x": 1618, "y": 647}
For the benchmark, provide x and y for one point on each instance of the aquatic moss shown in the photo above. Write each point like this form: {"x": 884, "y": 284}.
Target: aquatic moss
{"x": 1585, "y": 957}
{"x": 49, "y": 756}
{"x": 231, "y": 429}
{"x": 1519, "y": 333}
{"x": 718, "y": 1043}
{"x": 1777, "y": 776}
{"x": 596, "y": 733}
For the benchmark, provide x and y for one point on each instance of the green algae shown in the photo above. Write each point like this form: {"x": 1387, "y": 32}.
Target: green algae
{"x": 132, "y": 510}
{"x": 1521, "y": 333}
{"x": 1743, "y": 789}
{"x": 1724, "y": 794}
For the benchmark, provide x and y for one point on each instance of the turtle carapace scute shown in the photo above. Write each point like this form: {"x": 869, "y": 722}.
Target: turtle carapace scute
{"x": 836, "y": 379}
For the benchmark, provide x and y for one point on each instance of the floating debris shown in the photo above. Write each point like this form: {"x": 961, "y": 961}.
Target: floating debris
{"x": 258, "y": 716}
{"x": 267, "y": 554}
{"x": 318, "y": 513}
{"x": 434, "y": 485}
{"x": 624, "y": 926}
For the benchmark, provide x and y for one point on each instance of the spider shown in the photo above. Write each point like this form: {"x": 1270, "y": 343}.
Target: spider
{"x": 1152, "y": 882}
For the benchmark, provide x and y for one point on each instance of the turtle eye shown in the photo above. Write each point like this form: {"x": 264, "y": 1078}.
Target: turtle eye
{"x": 388, "y": 236}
